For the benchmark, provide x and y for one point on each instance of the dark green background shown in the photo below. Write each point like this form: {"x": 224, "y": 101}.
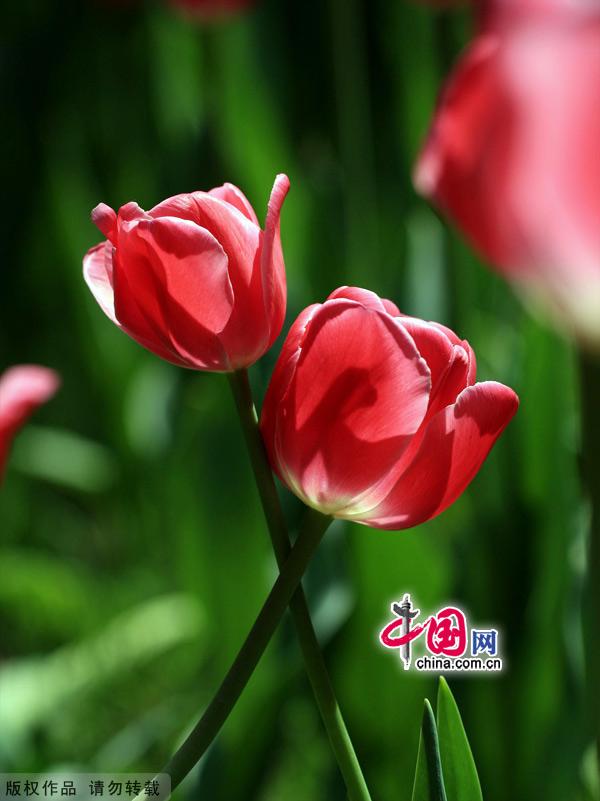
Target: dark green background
{"x": 133, "y": 555}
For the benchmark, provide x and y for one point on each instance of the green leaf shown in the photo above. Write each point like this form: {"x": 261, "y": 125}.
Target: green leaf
{"x": 460, "y": 773}
{"x": 429, "y": 782}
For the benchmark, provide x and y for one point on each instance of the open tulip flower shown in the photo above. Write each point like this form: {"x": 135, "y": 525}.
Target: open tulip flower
{"x": 195, "y": 279}
{"x": 513, "y": 158}
{"x": 374, "y": 417}
{"x": 22, "y": 390}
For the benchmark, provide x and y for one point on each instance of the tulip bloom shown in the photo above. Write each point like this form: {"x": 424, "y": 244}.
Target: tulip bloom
{"x": 195, "y": 279}
{"x": 512, "y": 155}
{"x": 374, "y": 417}
{"x": 22, "y": 390}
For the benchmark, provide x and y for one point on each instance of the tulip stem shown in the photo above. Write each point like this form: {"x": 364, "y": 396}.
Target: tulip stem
{"x": 232, "y": 686}
{"x": 309, "y": 645}
{"x": 590, "y": 437}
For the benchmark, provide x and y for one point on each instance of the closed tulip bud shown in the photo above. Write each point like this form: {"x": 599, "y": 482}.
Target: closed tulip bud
{"x": 513, "y": 158}
{"x": 22, "y": 390}
{"x": 374, "y": 417}
{"x": 195, "y": 279}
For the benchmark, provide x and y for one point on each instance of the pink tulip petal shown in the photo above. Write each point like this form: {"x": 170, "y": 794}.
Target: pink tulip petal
{"x": 129, "y": 213}
{"x": 232, "y": 229}
{"x": 434, "y": 347}
{"x": 464, "y": 345}
{"x": 247, "y": 332}
{"x": 279, "y": 384}
{"x": 105, "y": 219}
{"x": 22, "y": 390}
{"x": 449, "y": 366}
{"x": 364, "y": 296}
{"x": 231, "y": 194}
{"x": 456, "y": 443}
{"x": 98, "y": 275}
{"x": 182, "y": 298}
{"x": 272, "y": 264}
{"x": 391, "y": 307}
{"x": 474, "y": 115}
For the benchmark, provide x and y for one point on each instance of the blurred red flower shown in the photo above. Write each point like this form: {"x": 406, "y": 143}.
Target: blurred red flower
{"x": 374, "y": 417}
{"x": 195, "y": 279}
{"x": 512, "y": 155}
{"x": 22, "y": 390}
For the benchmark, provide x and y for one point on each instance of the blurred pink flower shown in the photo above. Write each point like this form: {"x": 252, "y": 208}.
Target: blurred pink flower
{"x": 513, "y": 157}
{"x": 22, "y": 390}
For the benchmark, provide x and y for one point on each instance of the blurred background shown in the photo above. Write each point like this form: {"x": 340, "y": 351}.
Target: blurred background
{"x": 133, "y": 554}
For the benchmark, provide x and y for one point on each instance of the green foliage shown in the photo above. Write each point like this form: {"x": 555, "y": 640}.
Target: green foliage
{"x": 445, "y": 767}
{"x": 429, "y": 779}
{"x": 460, "y": 774}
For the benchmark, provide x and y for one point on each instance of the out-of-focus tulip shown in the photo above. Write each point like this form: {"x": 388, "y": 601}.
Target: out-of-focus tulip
{"x": 513, "y": 158}
{"x": 22, "y": 390}
{"x": 209, "y": 9}
{"x": 374, "y": 417}
{"x": 195, "y": 279}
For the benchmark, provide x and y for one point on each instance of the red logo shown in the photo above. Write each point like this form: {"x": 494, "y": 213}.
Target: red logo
{"x": 445, "y": 632}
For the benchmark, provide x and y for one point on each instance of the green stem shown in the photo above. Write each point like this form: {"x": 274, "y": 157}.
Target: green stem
{"x": 251, "y": 651}
{"x": 309, "y": 645}
{"x": 590, "y": 435}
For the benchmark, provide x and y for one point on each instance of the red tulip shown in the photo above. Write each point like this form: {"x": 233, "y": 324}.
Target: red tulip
{"x": 513, "y": 158}
{"x": 374, "y": 417}
{"x": 22, "y": 390}
{"x": 195, "y": 279}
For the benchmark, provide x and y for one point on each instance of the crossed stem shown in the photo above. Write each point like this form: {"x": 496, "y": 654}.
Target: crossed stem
{"x": 314, "y": 661}
{"x": 292, "y": 561}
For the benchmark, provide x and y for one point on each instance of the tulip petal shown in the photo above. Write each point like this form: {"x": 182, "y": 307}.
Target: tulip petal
{"x": 279, "y": 383}
{"x": 98, "y": 275}
{"x": 247, "y": 332}
{"x": 232, "y": 229}
{"x": 105, "y": 219}
{"x": 363, "y": 296}
{"x": 172, "y": 290}
{"x": 369, "y": 299}
{"x": 433, "y": 345}
{"x": 474, "y": 115}
{"x": 456, "y": 443}
{"x": 449, "y": 363}
{"x": 449, "y": 366}
{"x": 358, "y": 394}
{"x": 272, "y": 264}
{"x": 461, "y": 343}
{"x": 391, "y": 307}
{"x": 235, "y": 197}
{"x": 22, "y": 390}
